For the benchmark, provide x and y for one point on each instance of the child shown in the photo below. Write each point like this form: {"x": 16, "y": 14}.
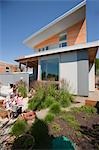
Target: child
{"x": 19, "y": 102}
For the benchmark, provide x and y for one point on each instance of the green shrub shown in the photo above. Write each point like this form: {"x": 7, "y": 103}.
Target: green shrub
{"x": 19, "y": 128}
{"x": 55, "y": 108}
{"x": 22, "y": 89}
{"x": 65, "y": 98}
{"x": 47, "y": 94}
{"x": 50, "y": 89}
{"x": 37, "y": 102}
{"x": 49, "y": 118}
{"x": 49, "y": 101}
{"x": 71, "y": 120}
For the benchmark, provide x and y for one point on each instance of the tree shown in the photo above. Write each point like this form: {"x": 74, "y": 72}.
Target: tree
{"x": 97, "y": 65}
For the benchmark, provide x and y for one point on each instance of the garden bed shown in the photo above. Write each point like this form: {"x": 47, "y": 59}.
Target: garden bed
{"x": 86, "y": 136}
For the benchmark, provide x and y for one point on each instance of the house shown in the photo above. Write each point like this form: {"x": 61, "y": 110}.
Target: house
{"x": 6, "y": 67}
{"x": 62, "y": 51}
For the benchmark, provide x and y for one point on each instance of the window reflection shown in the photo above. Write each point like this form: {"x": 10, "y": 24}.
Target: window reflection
{"x": 50, "y": 69}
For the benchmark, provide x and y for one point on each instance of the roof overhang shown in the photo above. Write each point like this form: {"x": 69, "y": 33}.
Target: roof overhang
{"x": 91, "y": 46}
{"x": 61, "y": 23}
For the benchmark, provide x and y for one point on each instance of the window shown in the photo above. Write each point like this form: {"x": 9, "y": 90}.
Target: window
{"x": 62, "y": 40}
{"x": 46, "y": 47}
{"x": 50, "y": 69}
{"x": 62, "y": 37}
{"x": 7, "y": 69}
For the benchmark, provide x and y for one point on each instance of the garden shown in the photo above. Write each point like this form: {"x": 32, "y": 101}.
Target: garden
{"x": 79, "y": 125}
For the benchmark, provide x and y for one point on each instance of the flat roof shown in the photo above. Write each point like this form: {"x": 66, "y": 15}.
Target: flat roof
{"x": 61, "y": 50}
{"x": 70, "y": 17}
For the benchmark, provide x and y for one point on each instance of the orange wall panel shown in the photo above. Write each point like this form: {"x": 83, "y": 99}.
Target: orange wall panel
{"x": 52, "y": 40}
{"x": 76, "y": 34}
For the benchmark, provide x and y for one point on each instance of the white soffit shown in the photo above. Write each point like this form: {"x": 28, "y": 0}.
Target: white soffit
{"x": 65, "y": 49}
{"x": 61, "y": 23}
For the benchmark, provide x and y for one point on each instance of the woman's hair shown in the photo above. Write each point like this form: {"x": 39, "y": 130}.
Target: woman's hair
{"x": 11, "y": 85}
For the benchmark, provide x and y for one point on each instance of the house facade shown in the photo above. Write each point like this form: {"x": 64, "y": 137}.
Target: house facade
{"x": 62, "y": 52}
{"x": 6, "y": 67}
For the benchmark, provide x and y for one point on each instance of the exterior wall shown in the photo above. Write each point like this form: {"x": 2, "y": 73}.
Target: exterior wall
{"x": 92, "y": 78}
{"x": 52, "y": 40}
{"x": 82, "y": 73}
{"x": 12, "y": 78}
{"x": 3, "y": 66}
{"x": 77, "y": 33}
{"x": 74, "y": 69}
{"x": 68, "y": 70}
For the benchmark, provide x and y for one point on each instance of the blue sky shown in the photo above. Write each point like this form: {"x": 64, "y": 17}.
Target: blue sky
{"x": 19, "y": 19}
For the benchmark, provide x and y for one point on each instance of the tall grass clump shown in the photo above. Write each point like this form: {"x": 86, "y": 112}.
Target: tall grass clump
{"x": 55, "y": 108}
{"x": 19, "y": 128}
{"x": 49, "y": 118}
{"x": 21, "y": 88}
{"x": 46, "y": 94}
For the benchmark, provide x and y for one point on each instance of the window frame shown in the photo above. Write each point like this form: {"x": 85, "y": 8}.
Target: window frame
{"x": 62, "y": 41}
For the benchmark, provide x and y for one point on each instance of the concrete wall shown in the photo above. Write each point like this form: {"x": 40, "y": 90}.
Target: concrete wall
{"x": 12, "y": 78}
{"x": 68, "y": 69}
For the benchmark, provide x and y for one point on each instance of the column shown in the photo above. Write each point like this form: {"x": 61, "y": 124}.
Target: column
{"x": 20, "y": 66}
{"x": 39, "y": 68}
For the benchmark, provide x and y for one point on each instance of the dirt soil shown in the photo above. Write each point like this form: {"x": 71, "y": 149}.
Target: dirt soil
{"x": 87, "y": 137}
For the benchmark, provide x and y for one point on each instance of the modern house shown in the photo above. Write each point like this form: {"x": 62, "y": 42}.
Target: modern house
{"x": 62, "y": 51}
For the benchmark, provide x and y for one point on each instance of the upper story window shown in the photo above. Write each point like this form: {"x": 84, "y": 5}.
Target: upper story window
{"x": 62, "y": 40}
{"x": 43, "y": 49}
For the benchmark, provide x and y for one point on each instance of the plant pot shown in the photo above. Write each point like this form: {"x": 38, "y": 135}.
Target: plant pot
{"x": 90, "y": 103}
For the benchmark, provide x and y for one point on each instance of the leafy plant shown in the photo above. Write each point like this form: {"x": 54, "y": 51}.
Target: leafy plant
{"x": 19, "y": 128}
{"x": 55, "y": 108}
{"x": 49, "y": 118}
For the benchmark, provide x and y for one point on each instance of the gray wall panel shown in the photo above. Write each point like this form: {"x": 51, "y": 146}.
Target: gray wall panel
{"x": 82, "y": 73}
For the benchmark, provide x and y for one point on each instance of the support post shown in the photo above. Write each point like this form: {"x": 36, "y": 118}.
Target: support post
{"x": 20, "y": 66}
{"x": 26, "y": 66}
